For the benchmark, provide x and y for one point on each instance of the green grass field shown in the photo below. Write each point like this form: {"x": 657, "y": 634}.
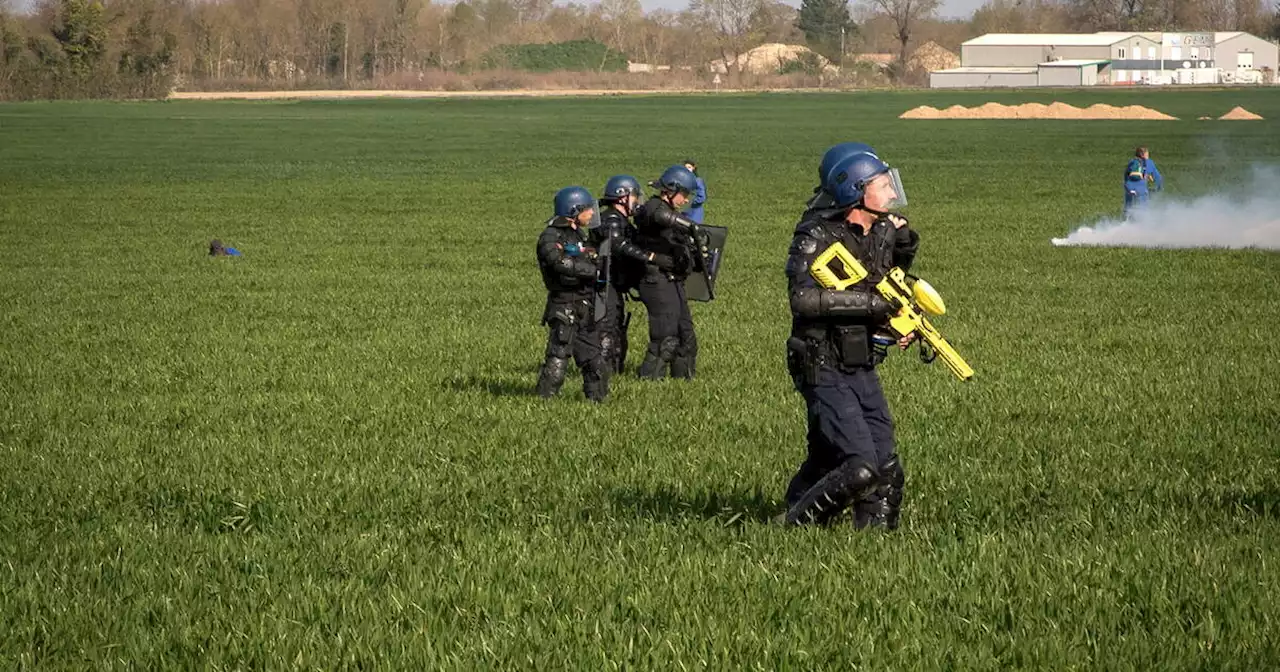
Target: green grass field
{"x": 326, "y": 453}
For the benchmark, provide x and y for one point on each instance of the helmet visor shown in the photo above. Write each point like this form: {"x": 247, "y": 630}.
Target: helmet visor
{"x": 592, "y": 222}
{"x": 900, "y": 200}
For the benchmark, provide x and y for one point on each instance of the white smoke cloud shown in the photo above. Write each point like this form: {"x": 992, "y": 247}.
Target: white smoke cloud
{"x": 1245, "y": 217}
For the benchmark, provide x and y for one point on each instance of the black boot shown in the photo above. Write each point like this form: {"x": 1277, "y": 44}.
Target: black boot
{"x": 595, "y": 381}
{"x": 655, "y": 364}
{"x": 882, "y": 507}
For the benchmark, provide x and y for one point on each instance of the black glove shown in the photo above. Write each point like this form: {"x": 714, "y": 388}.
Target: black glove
{"x": 662, "y": 261}
{"x": 681, "y": 262}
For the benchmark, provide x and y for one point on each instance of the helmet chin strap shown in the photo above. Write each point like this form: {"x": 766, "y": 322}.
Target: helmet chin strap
{"x": 862, "y": 205}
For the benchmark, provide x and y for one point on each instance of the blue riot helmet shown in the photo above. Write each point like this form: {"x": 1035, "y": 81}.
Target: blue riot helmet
{"x": 676, "y": 179}
{"x": 620, "y": 186}
{"x": 837, "y": 154}
{"x": 847, "y": 183}
{"x": 573, "y": 201}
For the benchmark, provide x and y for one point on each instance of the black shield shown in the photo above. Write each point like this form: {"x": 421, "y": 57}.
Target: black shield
{"x": 701, "y": 286}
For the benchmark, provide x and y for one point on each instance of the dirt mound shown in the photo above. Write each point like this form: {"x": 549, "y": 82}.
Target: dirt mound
{"x": 1238, "y": 113}
{"x": 768, "y": 58}
{"x": 922, "y": 112}
{"x": 1037, "y": 111}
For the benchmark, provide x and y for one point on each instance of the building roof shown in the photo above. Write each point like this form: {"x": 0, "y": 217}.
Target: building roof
{"x": 1047, "y": 39}
{"x": 1224, "y": 36}
{"x": 1073, "y": 63}
{"x": 973, "y": 70}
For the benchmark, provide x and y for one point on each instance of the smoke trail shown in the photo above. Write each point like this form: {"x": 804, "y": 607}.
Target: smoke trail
{"x": 1247, "y": 217}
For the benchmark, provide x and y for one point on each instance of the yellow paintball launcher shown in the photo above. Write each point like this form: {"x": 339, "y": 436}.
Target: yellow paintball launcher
{"x": 837, "y": 268}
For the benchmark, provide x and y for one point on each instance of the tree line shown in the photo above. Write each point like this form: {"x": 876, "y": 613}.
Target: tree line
{"x": 144, "y": 48}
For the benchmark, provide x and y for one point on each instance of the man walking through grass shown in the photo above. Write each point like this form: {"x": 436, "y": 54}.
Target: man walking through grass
{"x": 851, "y": 457}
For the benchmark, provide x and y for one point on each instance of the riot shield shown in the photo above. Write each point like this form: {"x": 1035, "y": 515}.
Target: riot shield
{"x": 702, "y": 286}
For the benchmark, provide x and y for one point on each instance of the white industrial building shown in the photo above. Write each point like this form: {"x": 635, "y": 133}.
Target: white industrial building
{"x": 1087, "y": 59}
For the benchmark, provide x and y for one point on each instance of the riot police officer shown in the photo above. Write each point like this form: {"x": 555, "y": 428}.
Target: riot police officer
{"x": 832, "y": 354}
{"x": 672, "y": 238}
{"x": 624, "y": 265}
{"x": 569, "y": 268}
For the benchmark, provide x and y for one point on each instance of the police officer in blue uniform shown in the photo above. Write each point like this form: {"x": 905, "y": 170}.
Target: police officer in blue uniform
{"x": 625, "y": 263}
{"x": 852, "y": 455}
{"x": 661, "y": 229}
{"x": 570, "y": 269}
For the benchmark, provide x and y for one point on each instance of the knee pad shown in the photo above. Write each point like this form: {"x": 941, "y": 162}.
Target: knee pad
{"x": 551, "y": 376}
{"x": 832, "y": 494}
{"x": 667, "y": 348}
{"x": 608, "y": 349}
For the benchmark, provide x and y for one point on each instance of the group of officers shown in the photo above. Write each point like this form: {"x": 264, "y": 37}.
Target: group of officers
{"x": 594, "y": 253}
{"x": 837, "y": 338}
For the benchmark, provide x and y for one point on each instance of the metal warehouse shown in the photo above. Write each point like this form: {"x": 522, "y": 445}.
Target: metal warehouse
{"x": 1087, "y": 59}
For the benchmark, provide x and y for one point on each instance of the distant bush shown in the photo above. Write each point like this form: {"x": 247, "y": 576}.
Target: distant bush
{"x": 805, "y": 63}
{"x": 575, "y": 56}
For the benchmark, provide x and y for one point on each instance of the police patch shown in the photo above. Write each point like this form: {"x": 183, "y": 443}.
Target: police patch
{"x": 808, "y": 245}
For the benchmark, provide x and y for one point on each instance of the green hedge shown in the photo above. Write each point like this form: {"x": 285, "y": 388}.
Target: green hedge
{"x": 578, "y": 55}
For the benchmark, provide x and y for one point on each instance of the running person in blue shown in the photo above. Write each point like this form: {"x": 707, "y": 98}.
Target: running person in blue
{"x": 1140, "y": 173}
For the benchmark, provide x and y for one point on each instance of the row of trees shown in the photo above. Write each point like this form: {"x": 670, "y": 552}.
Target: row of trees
{"x": 144, "y": 47}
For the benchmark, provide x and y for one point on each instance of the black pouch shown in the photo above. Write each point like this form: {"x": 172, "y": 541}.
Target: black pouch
{"x": 852, "y": 346}
{"x": 797, "y": 356}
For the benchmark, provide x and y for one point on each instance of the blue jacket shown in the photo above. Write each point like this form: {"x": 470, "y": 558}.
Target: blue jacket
{"x": 694, "y": 211}
{"x": 1137, "y": 172}
{"x": 1135, "y": 176}
{"x": 1150, "y": 167}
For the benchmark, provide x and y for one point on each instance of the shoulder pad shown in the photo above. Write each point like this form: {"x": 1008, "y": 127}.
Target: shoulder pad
{"x": 612, "y": 218}
{"x": 814, "y": 228}
{"x": 655, "y": 205}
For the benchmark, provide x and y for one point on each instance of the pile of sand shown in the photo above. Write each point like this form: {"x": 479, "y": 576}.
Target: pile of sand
{"x": 1238, "y": 113}
{"x": 767, "y": 58}
{"x": 1035, "y": 111}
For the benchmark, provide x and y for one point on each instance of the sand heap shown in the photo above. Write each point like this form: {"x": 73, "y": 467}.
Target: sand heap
{"x": 1239, "y": 113}
{"x": 1036, "y": 111}
{"x": 768, "y": 58}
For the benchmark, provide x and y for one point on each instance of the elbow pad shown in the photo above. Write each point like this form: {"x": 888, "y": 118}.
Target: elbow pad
{"x": 667, "y": 217}
{"x": 576, "y": 267}
{"x": 816, "y": 302}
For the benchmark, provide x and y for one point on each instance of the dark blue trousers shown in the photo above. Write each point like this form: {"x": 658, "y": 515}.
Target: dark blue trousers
{"x": 848, "y": 418}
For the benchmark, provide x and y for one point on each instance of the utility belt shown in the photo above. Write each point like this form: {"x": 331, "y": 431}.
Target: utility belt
{"x": 568, "y": 307}
{"x": 843, "y": 349}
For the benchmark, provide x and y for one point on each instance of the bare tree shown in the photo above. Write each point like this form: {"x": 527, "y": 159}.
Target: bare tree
{"x": 621, "y": 16}
{"x": 905, "y": 15}
{"x": 729, "y": 22}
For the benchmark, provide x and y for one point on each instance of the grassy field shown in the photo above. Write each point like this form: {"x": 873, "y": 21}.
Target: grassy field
{"x": 326, "y": 453}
